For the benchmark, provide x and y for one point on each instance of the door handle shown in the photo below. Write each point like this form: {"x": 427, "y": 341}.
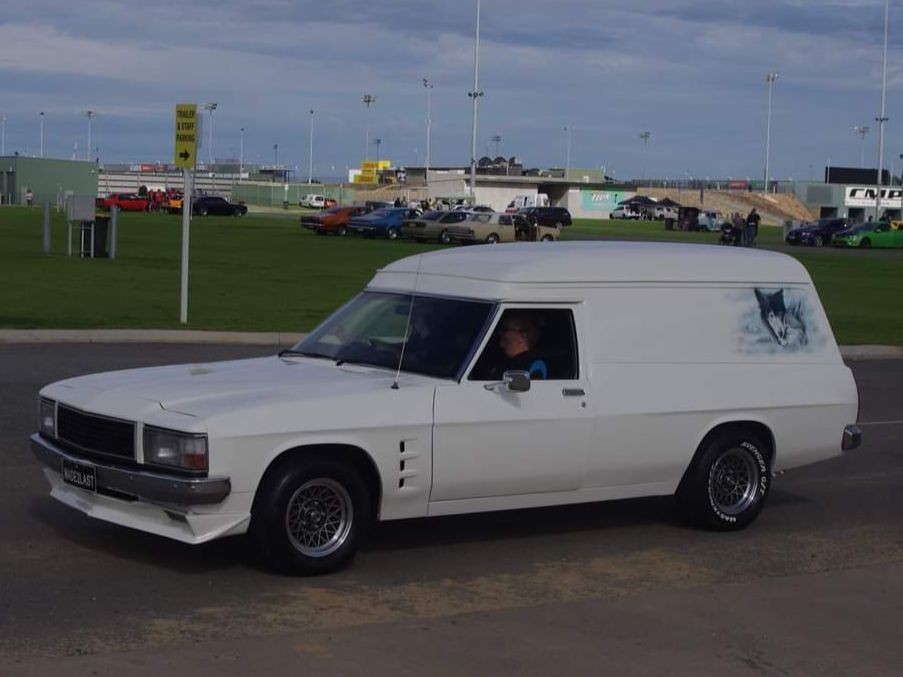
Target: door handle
{"x": 573, "y": 392}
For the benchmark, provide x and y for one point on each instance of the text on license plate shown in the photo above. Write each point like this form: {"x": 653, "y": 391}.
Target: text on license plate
{"x": 78, "y": 475}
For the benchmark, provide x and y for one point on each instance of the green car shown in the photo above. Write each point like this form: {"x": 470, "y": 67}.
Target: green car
{"x": 872, "y": 234}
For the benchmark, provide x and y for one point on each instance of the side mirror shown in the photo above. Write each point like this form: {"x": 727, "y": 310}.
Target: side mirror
{"x": 516, "y": 381}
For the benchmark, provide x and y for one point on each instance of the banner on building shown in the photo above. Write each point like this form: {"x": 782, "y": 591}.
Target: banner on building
{"x": 602, "y": 200}
{"x": 864, "y": 196}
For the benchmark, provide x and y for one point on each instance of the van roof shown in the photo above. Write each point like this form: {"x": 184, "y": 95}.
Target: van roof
{"x": 593, "y": 262}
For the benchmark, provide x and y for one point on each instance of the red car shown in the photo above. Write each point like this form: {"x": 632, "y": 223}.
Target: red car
{"x": 127, "y": 202}
{"x": 332, "y": 220}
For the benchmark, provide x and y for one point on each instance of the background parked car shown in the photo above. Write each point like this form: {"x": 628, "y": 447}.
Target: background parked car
{"x": 818, "y": 233}
{"x": 173, "y": 202}
{"x": 557, "y": 217}
{"x": 373, "y": 205}
{"x": 629, "y": 212}
{"x": 527, "y": 231}
{"x": 871, "y": 234}
{"x": 382, "y": 222}
{"x": 313, "y": 201}
{"x": 127, "y": 202}
{"x": 660, "y": 213}
{"x": 431, "y": 226}
{"x": 333, "y": 220}
{"x": 211, "y": 204}
{"x": 488, "y": 228}
{"x": 710, "y": 221}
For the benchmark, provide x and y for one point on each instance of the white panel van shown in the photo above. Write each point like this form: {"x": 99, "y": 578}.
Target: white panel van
{"x": 476, "y": 379}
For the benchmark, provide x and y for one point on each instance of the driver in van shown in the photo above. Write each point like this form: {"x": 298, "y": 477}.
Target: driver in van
{"x": 517, "y": 337}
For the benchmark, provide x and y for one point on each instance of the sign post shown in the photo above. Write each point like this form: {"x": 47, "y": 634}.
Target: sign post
{"x": 185, "y": 152}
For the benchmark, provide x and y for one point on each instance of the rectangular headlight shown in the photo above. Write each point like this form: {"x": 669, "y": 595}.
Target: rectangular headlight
{"x": 186, "y": 451}
{"x": 47, "y": 417}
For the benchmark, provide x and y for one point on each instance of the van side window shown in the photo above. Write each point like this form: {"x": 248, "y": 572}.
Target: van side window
{"x": 541, "y": 341}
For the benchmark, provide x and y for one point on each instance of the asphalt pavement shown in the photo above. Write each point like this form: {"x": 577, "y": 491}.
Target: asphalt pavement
{"x": 814, "y": 587}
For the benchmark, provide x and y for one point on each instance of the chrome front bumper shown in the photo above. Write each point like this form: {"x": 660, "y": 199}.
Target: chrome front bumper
{"x": 852, "y": 437}
{"x": 147, "y": 486}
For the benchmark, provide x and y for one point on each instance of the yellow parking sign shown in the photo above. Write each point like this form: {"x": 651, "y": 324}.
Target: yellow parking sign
{"x": 186, "y": 138}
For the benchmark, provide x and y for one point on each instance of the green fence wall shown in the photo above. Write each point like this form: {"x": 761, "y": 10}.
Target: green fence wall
{"x": 49, "y": 179}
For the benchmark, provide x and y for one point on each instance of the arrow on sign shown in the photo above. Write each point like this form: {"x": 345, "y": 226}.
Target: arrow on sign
{"x": 185, "y": 155}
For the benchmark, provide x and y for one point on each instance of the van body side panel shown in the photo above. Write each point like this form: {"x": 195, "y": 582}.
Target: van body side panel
{"x": 650, "y": 418}
{"x": 668, "y": 364}
{"x": 765, "y": 323}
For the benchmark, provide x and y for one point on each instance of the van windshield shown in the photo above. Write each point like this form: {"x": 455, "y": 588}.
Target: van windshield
{"x": 372, "y": 328}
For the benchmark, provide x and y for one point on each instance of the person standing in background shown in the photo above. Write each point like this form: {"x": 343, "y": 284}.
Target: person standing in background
{"x": 752, "y": 228}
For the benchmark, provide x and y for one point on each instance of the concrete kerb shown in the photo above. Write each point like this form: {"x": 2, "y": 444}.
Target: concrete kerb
{"x": 281, "y": 339}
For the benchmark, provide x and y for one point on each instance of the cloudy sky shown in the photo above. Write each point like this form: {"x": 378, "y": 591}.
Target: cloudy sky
{"x": 691, "y": 72}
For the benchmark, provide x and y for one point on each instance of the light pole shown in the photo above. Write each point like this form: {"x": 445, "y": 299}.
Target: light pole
{"x": 645, "y": 137}
{"x": 770, "y": 78}
{"x": 275, "y": 158}
{"x": 861, "y": 130}
{"x": 377, "y": 142}
{"x": 428, "y": 85}
{"x": 241, "y": 152}
{"x": 210, "y": 107}
{"x": 90, "y": 114}
{"x": 42, "y": 133}
{"x": 2, "y": 135}
{"x": 496, "y": 139}
{"x": 474, "y": 95}
{"x": 882, "y": 117}
{"x": 567, "y": 161}
{"x": 368, "y": 100}
{"x": 901, "y": 169}
{"x": 310, "y": 150}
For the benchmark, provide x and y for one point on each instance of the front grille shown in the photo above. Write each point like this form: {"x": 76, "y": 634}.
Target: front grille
{"x": 96, "y": 434}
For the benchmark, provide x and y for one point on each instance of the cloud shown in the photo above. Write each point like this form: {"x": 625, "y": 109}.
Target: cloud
{"x": 690, "y": 71}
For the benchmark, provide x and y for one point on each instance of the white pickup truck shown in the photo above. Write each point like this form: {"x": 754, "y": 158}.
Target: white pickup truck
{"x": 477, "y": 379}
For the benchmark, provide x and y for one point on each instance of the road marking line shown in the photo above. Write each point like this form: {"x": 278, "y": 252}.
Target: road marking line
{"x": 881, "y": 423}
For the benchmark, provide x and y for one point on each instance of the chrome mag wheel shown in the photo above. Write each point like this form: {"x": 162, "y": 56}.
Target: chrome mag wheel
{"x": 733, "y": 481}
{"x": 318, "y": 517}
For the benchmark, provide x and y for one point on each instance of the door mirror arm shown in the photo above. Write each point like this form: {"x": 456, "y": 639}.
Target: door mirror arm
{"x": 513, "y": 381}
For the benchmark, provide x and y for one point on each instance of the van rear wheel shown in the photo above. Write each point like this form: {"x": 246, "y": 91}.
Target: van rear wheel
{"x": 726, "y": 485}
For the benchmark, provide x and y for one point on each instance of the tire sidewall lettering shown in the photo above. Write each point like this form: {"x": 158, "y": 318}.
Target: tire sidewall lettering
{"x": 761, "y": 484}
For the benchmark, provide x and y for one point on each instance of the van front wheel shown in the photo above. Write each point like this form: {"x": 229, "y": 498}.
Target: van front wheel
{"x": 310, "y": 516}
{"x": 727, "y": 484}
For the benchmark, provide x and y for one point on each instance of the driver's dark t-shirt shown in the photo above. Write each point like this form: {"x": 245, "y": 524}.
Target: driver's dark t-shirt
{"x": 527, "y": 361}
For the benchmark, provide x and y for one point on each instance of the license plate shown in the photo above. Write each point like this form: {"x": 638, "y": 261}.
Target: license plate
{"x": 81, "y": 476}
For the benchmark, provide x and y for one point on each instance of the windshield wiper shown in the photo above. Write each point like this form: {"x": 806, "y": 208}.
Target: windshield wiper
{"x": 303, "y": 353}
{"x": 339, "y": 362}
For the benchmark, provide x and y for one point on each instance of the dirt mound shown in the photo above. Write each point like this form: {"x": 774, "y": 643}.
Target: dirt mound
{"x": 774, "y": 208}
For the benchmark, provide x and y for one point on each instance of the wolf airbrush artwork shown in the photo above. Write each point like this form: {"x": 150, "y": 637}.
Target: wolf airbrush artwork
{"x": 779, "y": 320}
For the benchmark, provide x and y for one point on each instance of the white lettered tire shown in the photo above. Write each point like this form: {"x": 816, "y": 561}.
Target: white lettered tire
{"x": 726, "y": 486}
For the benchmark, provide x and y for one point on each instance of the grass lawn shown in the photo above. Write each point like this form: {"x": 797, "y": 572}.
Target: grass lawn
{"x": 265, "y": 273}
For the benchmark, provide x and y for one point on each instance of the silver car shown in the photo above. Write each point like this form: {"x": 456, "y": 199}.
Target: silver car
{"x": 432, "y": 226}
